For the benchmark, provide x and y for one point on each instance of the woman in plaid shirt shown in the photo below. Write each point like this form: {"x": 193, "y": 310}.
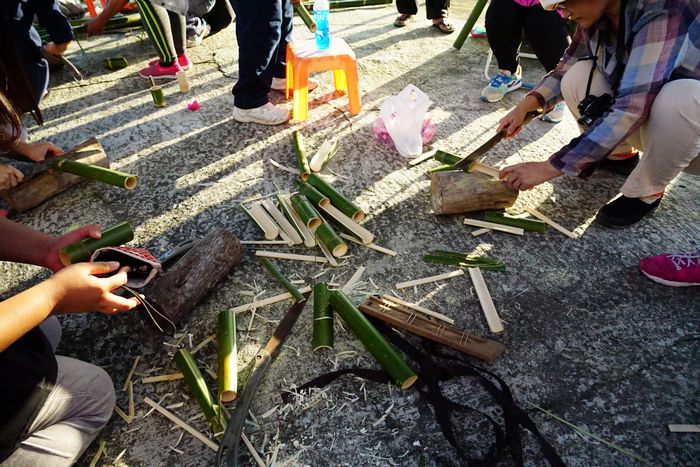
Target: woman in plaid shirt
{"x": 656, "y": 105}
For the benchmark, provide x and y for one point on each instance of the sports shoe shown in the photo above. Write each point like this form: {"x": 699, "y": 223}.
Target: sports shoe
{"x": 624, "y": 211}
{"x": 681, "y": 270}
{"x": 623, "y": 166}
{"x": 159, "y": 71}
{"x": 196, "y": 29}
{"x": 182, "y": 60}
{"x": 501, "y": 84}
{"x": 280, "y": 84}
{"x": 267, "y": 114}
{"x": 555, "y": 115}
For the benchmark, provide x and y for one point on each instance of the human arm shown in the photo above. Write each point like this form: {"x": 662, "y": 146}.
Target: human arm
{"x": 528, "y": 174}
{"x": 35, "y": 151}
{"x": 49, "y": 15}
{"x": 21, "y": 244}
{"x": 75, "y": 289}
{"x": 9, "y": 177}
{"x": 97, "y": 24}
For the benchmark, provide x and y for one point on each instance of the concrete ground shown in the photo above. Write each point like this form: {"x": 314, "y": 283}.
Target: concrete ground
{"x": 588, "y": 337}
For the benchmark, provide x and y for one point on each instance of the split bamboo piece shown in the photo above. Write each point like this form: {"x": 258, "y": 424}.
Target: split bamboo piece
{"x": 227, "y": 377}
{"x": 329, "y": 256}
{"x": 492, "y": 226}
{"x": 373, "y": 341}
{"x": 282, "y": 221}
{"x": 312, "y": 194}
{"x": 284, "y": 167}
{"x": 81, "y": 251}
{"x": 131, "y": 372}
{"x": 337, "y": 199}
{"x": 549, "y": 221}
{"x": 95, "y": 172}
{"x": 264, "y": 242}
{"x": 684, "y": 428}
{"x": 292, "y": 256}
{"x": 478, "y": 232}
{"x": 202, "y": 344}
{"x": 492, "y": 318}
{"x": 199, "y": 390}
{"x": 323, "y": 319}
{"x": 365, "y": 236}
{"x": 350, "y": 284}
{"x": 413, "y": 306}
{"x": 306, "y": 212}
{"x": 307, "y": 235}
{"x": 298, "y": 142}
{"x": 426, "y": 280}
{"x": 373, "y": 246}
{"x": 268, "y": 301}
{"x": 161, "y": 378}
{"x": 262, "y": 220}
{"x": 485, "y": 169}
{"x": 284, "y": 282}
{"x": 530, "y": 225}
{"x": 98, "y": 454}
{"x": 327, "y": 236}
{"x": 423, "y": 157}
{"x": 323, "y": 155}
{"x": 177, "y": 421}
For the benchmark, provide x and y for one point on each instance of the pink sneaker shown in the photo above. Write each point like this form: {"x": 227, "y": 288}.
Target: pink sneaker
{"x": 681, "y": 270}
{"x": 158, "y": 71}
{"x": 182, "y": 60}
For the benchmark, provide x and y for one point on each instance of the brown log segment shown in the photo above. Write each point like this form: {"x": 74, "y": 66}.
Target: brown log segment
{"x": 458, "y": 192}
{"x": 37, "y": 189}
{"x": 181, "y": 287}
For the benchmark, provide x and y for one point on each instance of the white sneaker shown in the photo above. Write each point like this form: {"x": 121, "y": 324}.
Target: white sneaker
{"x": 267, "y": 114}
{"x": 555, "y": 115}
{"x": 501, "y": 84}
{"x": 280, "y": 84}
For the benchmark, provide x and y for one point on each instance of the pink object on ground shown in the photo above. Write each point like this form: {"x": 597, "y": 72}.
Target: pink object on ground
{"x": 182, "y": 60}
{"x": 679, "y": 270}
{"x": 194, "y": 105}
{"x": 427, "y": 132}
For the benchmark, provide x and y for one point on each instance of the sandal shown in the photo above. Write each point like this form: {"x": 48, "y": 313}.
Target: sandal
{"x": 403, "y": 20}
{"x": 443, "y": 27}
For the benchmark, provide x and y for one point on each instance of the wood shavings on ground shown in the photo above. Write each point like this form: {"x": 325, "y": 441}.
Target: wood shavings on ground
{"x": 98, "y": 454}
{"x": 121, "y": 454}
{"x": 131, "y": 373}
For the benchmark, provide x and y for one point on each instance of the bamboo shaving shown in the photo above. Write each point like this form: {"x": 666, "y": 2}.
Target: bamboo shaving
{"x": 199, "y": 346}
{"x": 121, "y": 454}
{"x": 284, "y": 167}
{"x": 131, "y": 372}
{"x": 121, "y": 413}
{"x": 173, "y": 418}
{"x": 350, "y": 284}
{"x": 252, "y": 450}
{"x": 98, "y": 454}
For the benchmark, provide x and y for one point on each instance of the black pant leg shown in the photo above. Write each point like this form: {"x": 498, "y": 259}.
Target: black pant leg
{"x": 436, "y": 9}
{"x": 280, "y": 61}
{"x": 220, "y": 16}
{"x": 505, "y": 20}
{"x": 546, "y": 32}
{"x": 407, "y": 7}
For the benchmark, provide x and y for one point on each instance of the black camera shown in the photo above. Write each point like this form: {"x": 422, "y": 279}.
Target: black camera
{"x": 592, "y": 108}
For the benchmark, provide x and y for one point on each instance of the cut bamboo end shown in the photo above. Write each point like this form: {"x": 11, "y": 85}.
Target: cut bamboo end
{"x": 284, "y": 225}
{"x": 229, "y": 396}
{"x": 291, "y": 256}
{"x": 363, "y": 234}
{"x": 550, "y": 222}
{"x": 262, "y": 220}
{"x": 410, "y": 381}
{"x": 306, "y": 212}
{"x": 485, "y": 169}
{"x": 426, "y": 280}
{"x": 131, "y": 182}
{"x": 493, "y": 226}
{"x": 492, "y": 318}
{"x": 327, "y": 236}
{"x": 372, "y": 246}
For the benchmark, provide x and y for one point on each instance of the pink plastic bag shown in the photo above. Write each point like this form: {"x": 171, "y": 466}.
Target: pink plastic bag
{"x": 427, "y": 132}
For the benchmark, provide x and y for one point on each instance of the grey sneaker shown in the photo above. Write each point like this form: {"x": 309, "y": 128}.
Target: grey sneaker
{"x": 267, "y": 114}
{"x": 197, "y": 29}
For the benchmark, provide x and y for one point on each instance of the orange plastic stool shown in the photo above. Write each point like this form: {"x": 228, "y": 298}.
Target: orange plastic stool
{"x": 303, "y": 58}
{"x": 91, "y": 7}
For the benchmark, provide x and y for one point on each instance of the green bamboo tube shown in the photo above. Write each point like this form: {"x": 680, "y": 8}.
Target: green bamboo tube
{"x": 281, "y": 279}
{"x": 469, "y": 24}
{"x": 95, "y": 172}
{"x": 446, "y": 157}
{"x": 306, "y": 212}
{"x": 441, "y": 168}
{"x": 373, "y": 341}
{"x": 198, "y": 388}
{"x": 299, "y": 150}
{"x": 227, "y": 369}
{"x": 337, "y": 199}
{"x": 305, "y": 17}
{"x": 326, "y": 235}
{"x": 532, "y": 225}
{"x": 116, "y": 63}
{"x": 315, "y": 196}
{"x": 323, "y": 319}
{"x": 82, "y": 250}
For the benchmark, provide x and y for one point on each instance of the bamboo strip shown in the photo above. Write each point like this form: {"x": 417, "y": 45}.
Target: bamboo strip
{"x": 253, "y": 453}
{"x": 227, "y": 377}
{"x": 284, "y": 167}
{"x": 278, "y": 255}
{"x": 416, "y": 307}
{"x": 199, "y": 390}
{"x": 298, "y": 143}
{"x": 131, "y": 372}
{"x": 264, "y": 242}
{"x": 478, "y": 232}
{"x": 161, "y": 378}
{"x": 492, "y": 226}
{"x": 201, "y": 345}
{"x": 121, "y": 413}
{"x": 327, "y": 150}
{"x": 684, "y": 428}
{"x": 531, "y": 225}
{"x": 282, "y": 222}
{"x": 132, "y": 412}
{"x": 306, "y": 234}
{"x": 373, "y": 246}
{"x": 423, "y": 157}
{"x": 284, "y": 282}
{"x": 262, "y": 220}
{"x": 549, "y": 221}
{"x": 98, "y": 454}
{"x": 426, "y": 280}
{"x": 326, "y": 252}
{"x": 492, "y": 318}
{"x": 363, "y": 234}
{"x": 177, "y": 421}
{"x": 485, "y": 169}
{"x": 267, "y": 301}
{"x": 350, "y": 284}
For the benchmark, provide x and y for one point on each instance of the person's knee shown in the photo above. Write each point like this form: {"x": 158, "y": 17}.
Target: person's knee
{"x": 105, "y": 396}
{"x": 679, "y": 102}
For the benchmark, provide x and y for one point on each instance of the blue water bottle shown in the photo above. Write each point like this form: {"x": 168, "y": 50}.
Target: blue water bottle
{"x": 321, "y": 13}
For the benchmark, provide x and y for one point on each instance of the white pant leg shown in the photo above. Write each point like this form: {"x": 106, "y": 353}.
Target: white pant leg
{"x": 670, "y": 139}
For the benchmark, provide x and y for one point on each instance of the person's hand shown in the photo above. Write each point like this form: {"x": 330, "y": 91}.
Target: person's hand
{"x": 51, "y": 259}
{"x": 528, "y": 174}
{"x": 9, "y": 177}
{"x": 38, "y": 151}
{"x": 54, "y": 49}
{"x": 95, "y": 26}
{"x": 77, "y": 289}
{"x": 513, "y": 121}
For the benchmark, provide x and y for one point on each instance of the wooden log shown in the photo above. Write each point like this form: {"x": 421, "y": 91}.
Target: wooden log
{"x": 179, "y": 289}
{"x": 458, "y": 192}
{"x": 35, "y": 190}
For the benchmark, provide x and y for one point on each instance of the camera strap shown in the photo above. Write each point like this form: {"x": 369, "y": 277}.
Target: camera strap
{"x": 619, "y": 54}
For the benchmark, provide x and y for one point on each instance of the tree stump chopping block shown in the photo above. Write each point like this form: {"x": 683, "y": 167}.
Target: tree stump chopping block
{"x": 37, "y": 189}
{"x": 459, "y": 192}
{"x": 179, "y": 289}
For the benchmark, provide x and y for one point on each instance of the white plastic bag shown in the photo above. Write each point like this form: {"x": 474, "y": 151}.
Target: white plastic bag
{"x": 403, "y": 116}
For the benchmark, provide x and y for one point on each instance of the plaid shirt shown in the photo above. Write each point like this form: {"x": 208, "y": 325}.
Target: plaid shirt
{"x": 662, "y": 44}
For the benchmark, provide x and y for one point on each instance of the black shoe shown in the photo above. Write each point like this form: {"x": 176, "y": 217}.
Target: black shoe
{"x": 624, "y": 211}
{"x": 620, "y": 166}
